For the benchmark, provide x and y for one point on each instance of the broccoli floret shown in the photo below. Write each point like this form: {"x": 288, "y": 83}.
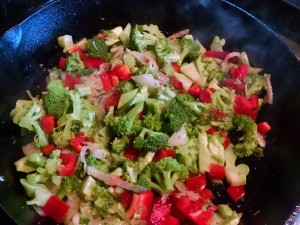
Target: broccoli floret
{"x": 255, "y": 84}
{"x": 103, "y": 200}
{"x": 27, "y": 115}
{"x": 56, "y": 100}
{"x": 74, "y": 64}
{"x": 149, "y": 140}
{"x": 96, "y": 163}
{"x": 68, "y": 186}
{"x": 130, "y": 171}
{"x": 63, "y": 134}
{"x": 140, "y": 40}
{"x": 127, "y": 124}
{"x": 125, "y": 86}
{"x": 88, "y": 118}
{"x": 174, "y": 117}
{"x": 249, "y": 144}
{"x": 190, "y": 50}
{"x": 187, "y": 154}
{"x": 98, "y": 49}
{"x": 223, "y": 100}
{"x": 165, "y": 94}
{"x": 119, "y": 144}
{"x": 192, "y": 107}
{"x": 154, "y": 30}
{"x": 152, "y": 118}
{"x": 162, "y": 175}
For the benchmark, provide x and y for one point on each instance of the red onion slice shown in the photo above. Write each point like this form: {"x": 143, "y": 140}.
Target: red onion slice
{"x": 225, "y": 63}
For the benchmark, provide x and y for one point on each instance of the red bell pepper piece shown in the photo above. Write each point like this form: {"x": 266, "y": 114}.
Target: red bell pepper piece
{"x": 133, "y": 205}
{"x": 176, "y": 83}
{"x": 76, "y": 142}
{"x": 159, "y": 214}
{"x": 91, "y": 62}
{"x": 162, "y": 153}
{"x": 75, "y": 48}
{"x": 67, "y": 167}
{"x": 254, "y": 101}
{"x": 194, "y": 90}
{"x": 224, "y": 133}
{"x": 197, "y": 183}
{"x": 234, "y": 85}
{"x": 236, "y": 192}
{"x": 48, "y": 149}
{"x": 122, "y": 71}
{"x": 176, "y": 67}
{"x": 245, "y": 111}
{"x": 243, "y": 102}
{"x": 226, "y": 143}
{"x": 112, "y": 100}
{"x": 62, "y": 63}
{"x": 70, "y": 81}
{"x": 219, "y": 114}
{"x": 204, "y": 95}
{"x": 212, "y": 130}
{"x": 206, "y": 194}
{"x": 216, "y": 171}
{"x": 239, "y": 72}
{"x": 56, "y": 208}
{"x": 263, "y": 128}
{"x": 220, "y": 55}
{"x": 102, "y": 36}
{"x": 203, "y": 217}
{"x": 145, "y": 205}
{"x": 126, "y": 198}
{"x": 48, "y": 123}
{"x": 114, "y": 80}
{"x": 131, "y": 153}
{"x": 105, "y": 78}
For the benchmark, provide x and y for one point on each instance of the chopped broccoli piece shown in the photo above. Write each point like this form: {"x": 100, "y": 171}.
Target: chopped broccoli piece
{"x": 188, "y": 154}
{"x": 125, "y": 86}
{"x": 249, "y": 144}
{"x": 192, "y": 107}
{"x": 152, "y": 118}
{"x": 56, "y": 100}
{"x": 217, "y": 44}
{"x": 223, "y": 100}
{"x": 255, "y": 84}
{"x": 165, "y": 94}
{"x": 149, "y": 140}
{"x": 96, "y": 163}
{"x": 174, "y": 117}
{"x": 162, "y": 175}
{"x": 68, "y": 186}
{"x": 154, "y": 30}
{"x": 190, "y": 50}
{"x": 139, "y": 40}
{"x": 62, "y": 135}
{"x": 119, "y": 144}
{"x": 74, "y": 64}
{"x": 103, "y": 200}
{"x": 97, "y": 48}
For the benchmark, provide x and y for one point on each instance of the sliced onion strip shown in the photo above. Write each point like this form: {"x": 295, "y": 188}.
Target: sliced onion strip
{"x": 183, "y": 189}
{"x": 269, "y": 96}
{"x": 225, "y": 63}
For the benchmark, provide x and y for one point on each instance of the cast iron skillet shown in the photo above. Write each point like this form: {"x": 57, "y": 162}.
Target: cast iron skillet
{"x": 273, "y": 189}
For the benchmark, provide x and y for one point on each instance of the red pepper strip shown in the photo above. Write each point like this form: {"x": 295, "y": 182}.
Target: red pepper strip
{"x": 204, "y": 95}
{"x": 76, "y": 142}
{"x": 254, "y": 101}
{"x": 203, "y": 217}
{"x": 245, "y": 111}
{"x": 197, "y": 183}
{"x": 70, "y": 81}
{"x": 212, "y": 130}
{"x": 102, "y": 36}
{"x": 243, "y": 102}
{"x": 163, "y": 153}
{"x": 112, "y": 100}
{"x": 67, "y": 167}
{"x": 233, "y": 85}
{"x": 48, "y": 123}
{"x": 47, "y": 149}
{"x": 223, "y": 133}
{"x": 221, "y": 55}
{"x": 131, "y": 153}
{"x": 75, "y": 48}
{"x": 263, "y": 128}
{"x": 133, "y": 205}
{"x": 219, "y": 114}
{"x": 194, "y": 90}
{"x": 226, "y": 143}
{"x": 105, "y": 78}
{"x": 176, "y": 83}
{"x": 176, "y": 67}
{"x": 159, "y": 214}
{"x": 90, "y": 62}
{"x": 122, "y": 71}
{"x": 126, "y": 198}
{"x": 62, "y": 63}
{"x": 216, "y": 172}
{"x": 56, "y": 208}
{"x": 239, "y": 72}
{"x": 145, "y": 205}
{"x": 236, "y": 192}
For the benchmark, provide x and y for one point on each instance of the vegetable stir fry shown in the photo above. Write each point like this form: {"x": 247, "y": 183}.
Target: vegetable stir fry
{"x": 133, "y": 125}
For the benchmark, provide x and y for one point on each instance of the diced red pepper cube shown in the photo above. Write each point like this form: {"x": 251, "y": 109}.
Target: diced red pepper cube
{"x": 162, "y": 153}
{"x": 112, "y": 100}
{"x": 194, "y": 90}
{"x": 70, "y": 81}
{"x": 62, "y": 63}
{"x": 226, "y": 143}
{"x": 254, "y": 101}
{"x": 176, "y": 83}
{"x": 243, "y": 102}
{"x": 219, "y": 114}
{"x": 236, "y": 192}
{"x": 176, "y": 67}
{"x": 48, "y": 123}
{"x": 245, "y": 111}
{"x": 216, "y": 171}
{"x": 122, "y": 71}
{"x": 131, "y": 153}
{"x": 67, "y": 168}
{"x": 91, "y": 62}
{"x": 56, "y": 208}
{"x": 105, "y": 78}
{"x": 145, "y": 205}
{"x": 48, "y": 149}
{"x": 263, "y": 128}
{"x": 235, "y": 85}
{"x": 240, "y": 72}
{"x": 159, "y": 214}
{"x": 203, "y": 217}
{"x": 126, "y": 198}
{"x": 206, "y": 194}
{"x": 197, "y": 183}
{"x": 212, "y": 130}
{"x": 204, "y": 95}
{"x": 75, "y": 48}
{"x": 102, "y": 36}
{"x": 114, "y": 80}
